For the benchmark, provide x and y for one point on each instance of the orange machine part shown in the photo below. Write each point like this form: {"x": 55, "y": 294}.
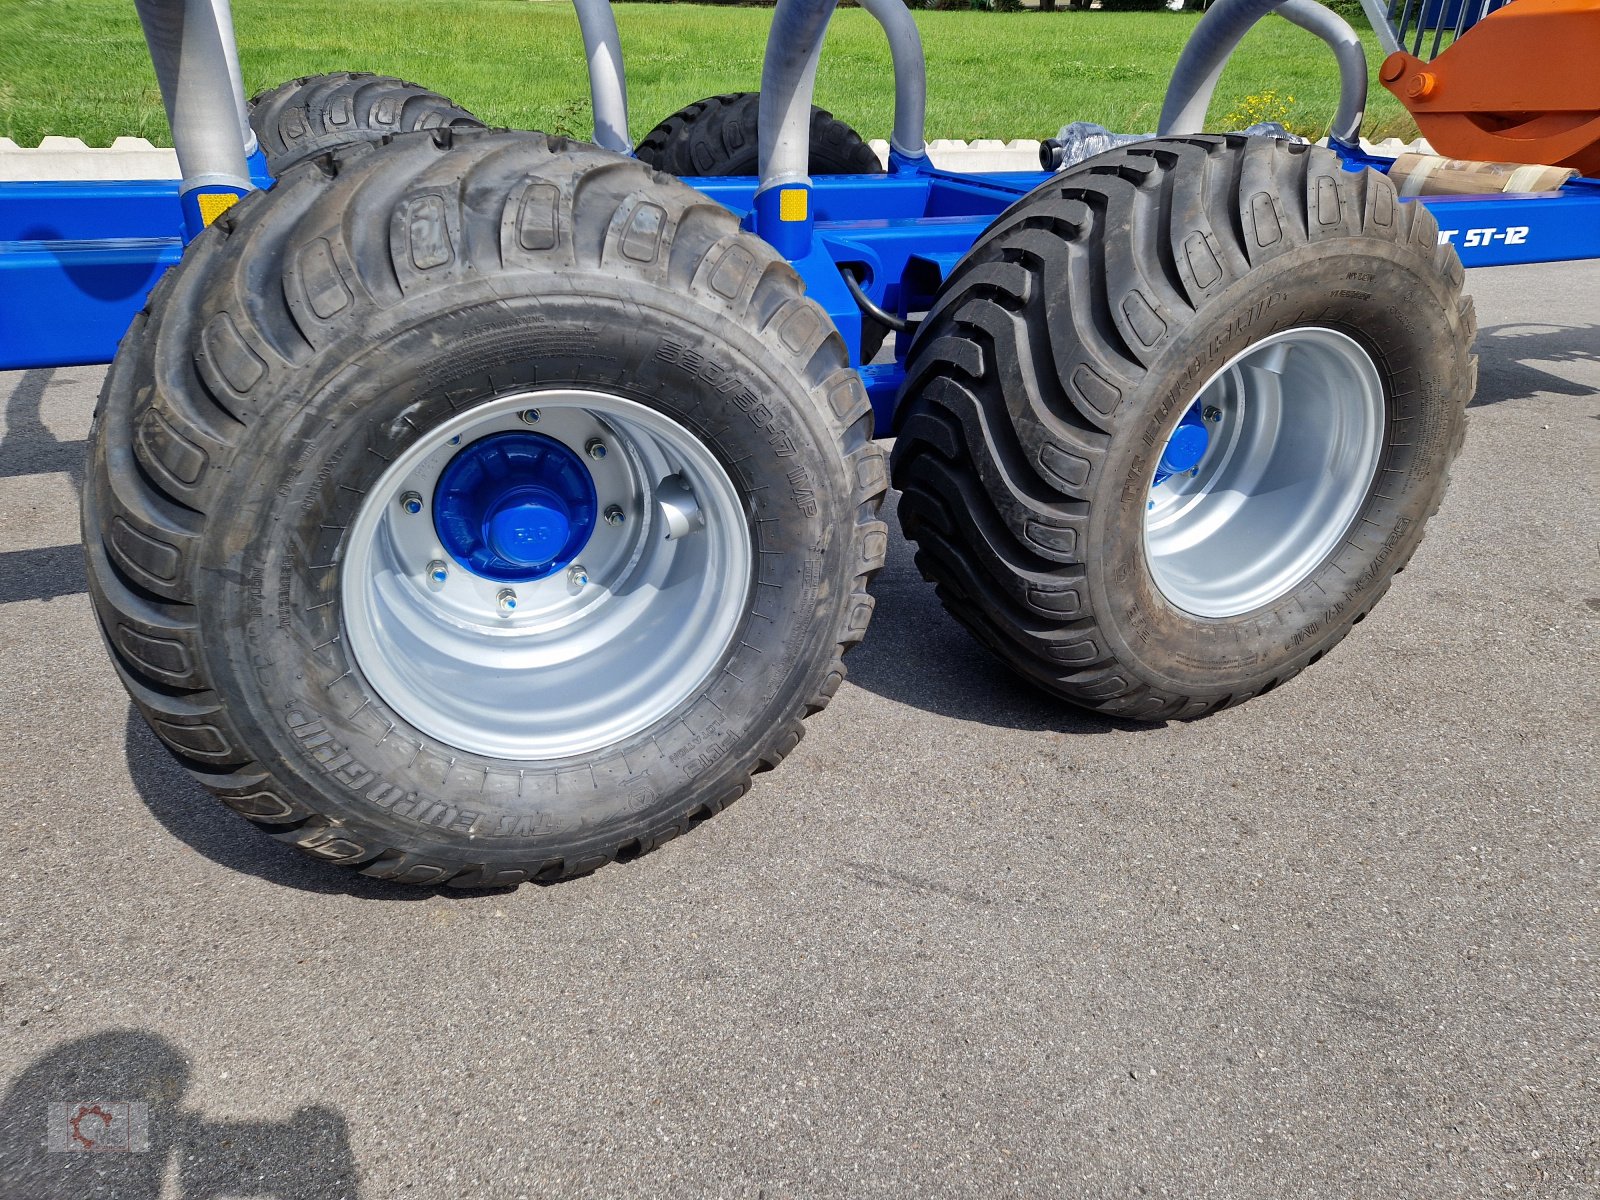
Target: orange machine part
{"x": 1522, "y": 86}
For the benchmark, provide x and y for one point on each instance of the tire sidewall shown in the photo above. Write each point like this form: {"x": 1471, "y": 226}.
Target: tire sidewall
{"x": 1372, "y": 290}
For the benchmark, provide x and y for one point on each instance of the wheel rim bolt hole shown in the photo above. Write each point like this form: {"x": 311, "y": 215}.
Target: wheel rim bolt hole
{"x": 438, "y": 573}
{"x": 596, "y": 449}
{"x": 578, "y": 575}
{"x": 411, "y": 502}
{"x": 506, "y": 601}
{"x": 530, "y": 416}
{"x": 614, "y": 515}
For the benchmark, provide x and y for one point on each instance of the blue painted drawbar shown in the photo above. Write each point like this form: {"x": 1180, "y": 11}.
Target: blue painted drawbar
{"x": 514, "y": 507}
{"x": 78, "y": 259}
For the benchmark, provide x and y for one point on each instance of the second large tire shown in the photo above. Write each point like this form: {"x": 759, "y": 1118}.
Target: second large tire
{"x": 718, "y": 136}
{"x": 312, "y": 115}
{"x": 1179, "y": 417}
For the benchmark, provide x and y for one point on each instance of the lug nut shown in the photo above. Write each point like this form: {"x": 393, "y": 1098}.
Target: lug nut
{"x": 577, "y": 575}
{"x": 1212, "y": 413}
{"x": 530, "y": 416}
{"x": 456, "y": 441}
{"x": 596, "y": 449}
{"x": 438, "y": 572}
{"x": 506, "y": 599}
{"x": 614, "y": 515}
{"x": 411, "y": 502}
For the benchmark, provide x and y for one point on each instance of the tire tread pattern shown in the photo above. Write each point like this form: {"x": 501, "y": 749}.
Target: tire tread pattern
{"x": 718, "y": 136}
{"x": 318, "y": 113}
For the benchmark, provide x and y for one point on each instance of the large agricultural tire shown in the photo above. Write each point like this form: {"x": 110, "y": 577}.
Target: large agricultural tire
{"x": 718, "y": 136}
{"x": 1179, "y": 417}
{"x": 273, "y": 460}
{"x": 318, "y": 113}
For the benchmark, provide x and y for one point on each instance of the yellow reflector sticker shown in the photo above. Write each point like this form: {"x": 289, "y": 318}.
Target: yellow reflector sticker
{"x": 214, "y": 204}
{"x": 792, "y": 205}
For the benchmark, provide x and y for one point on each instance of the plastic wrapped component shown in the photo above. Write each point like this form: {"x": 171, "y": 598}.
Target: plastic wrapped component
{"x": 1084, "y": 139}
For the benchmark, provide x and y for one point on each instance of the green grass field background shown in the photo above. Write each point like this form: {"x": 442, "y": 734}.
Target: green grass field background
{"x": 79, "y": 67}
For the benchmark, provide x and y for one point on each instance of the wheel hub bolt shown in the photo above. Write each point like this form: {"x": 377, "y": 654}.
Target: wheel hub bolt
{"x": 1213, "y": 413}
{"x": 578, "y": 575}
{"x": 438, "y": 572}
{"x": 456, "y": 441}
{"x": 596, "y": 449}
{"x": 614, "y": 515}
{"x": 506, "y": 600}
{"x": 411, "y": 502}
{"x": 530, "y": 416}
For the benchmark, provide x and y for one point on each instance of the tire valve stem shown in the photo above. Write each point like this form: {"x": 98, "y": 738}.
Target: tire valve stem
{"x": 438, "y": 572}
{"x": 411, "y": 502}
{"x": 596, "y": 449}
{"x": 577, "y": 576}
{"x": 614, "y": 515}
{"x": 506, "y": 600}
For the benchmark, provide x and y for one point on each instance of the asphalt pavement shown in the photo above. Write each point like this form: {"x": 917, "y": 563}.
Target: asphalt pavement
{"x": 967, "y": 941}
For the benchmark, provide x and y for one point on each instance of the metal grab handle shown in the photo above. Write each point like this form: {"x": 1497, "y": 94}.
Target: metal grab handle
{"x": 1217, "y": 35}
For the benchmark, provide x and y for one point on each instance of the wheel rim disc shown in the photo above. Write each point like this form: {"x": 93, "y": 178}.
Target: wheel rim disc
{"x": 1262, "y": 477}
{"x": 599, "y": 638}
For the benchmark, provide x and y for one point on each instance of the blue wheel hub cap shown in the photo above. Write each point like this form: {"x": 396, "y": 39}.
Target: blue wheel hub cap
{"x": 514, "y": 507}
{"x": 1186, "y": 447}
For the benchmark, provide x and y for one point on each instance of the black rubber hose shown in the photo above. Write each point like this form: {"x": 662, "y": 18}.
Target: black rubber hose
{"x": 864, "y": 302}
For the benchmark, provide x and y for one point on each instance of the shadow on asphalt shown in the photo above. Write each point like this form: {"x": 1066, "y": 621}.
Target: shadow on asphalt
{"x": 917, "y": 655}
{"x": 1506, "y": 354}
{"x": 29, "y": 447}
{"x": 209, "y": 827}
{"x": 97, "y": 1079}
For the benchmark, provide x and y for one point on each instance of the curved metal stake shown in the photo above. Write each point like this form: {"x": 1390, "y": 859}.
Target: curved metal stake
{"x": 909, "y": 138}
{"x": 1219, "y": 32}
{"x": 788, "y": 78}
{"x": 230, "y": 50}
{"x": 608, "y": 87}
{"x": 190, "y": 45}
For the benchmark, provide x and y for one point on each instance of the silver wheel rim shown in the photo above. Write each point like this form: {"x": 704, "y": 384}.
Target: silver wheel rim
{"x": 1293, "y": 430}
{"x": 582, "y": 658}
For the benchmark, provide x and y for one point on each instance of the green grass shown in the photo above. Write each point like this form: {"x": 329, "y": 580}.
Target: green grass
{"x": 80, "y": 68}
